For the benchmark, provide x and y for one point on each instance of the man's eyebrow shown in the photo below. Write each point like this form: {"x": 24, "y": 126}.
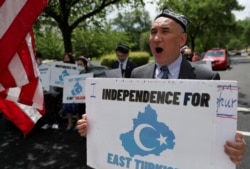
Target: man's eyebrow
{"x": 153, "y": 28}
{"x": 165, "y": 27}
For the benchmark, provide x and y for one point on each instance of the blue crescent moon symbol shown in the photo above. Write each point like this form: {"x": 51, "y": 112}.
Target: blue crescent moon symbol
{"x": 137, "y": 136}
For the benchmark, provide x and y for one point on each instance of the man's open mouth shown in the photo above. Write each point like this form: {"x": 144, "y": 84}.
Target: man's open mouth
{"x": 158, "y": 50}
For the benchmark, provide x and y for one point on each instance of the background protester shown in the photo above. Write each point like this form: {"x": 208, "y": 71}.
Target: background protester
{"x": 188, "y": 54}
{"x": 70, "y": 109}
{"x": 126, "y": 66}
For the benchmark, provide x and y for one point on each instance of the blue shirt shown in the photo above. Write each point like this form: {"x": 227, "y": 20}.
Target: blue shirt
{"x": 174, "y": 69}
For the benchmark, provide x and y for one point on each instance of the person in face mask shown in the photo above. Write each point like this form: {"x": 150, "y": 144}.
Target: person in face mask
{"x": 82, "y": 65}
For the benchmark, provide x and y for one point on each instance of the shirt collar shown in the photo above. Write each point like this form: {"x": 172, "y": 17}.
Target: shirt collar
{"x": 174, "y": 69}
{"x": 124, "y": 63}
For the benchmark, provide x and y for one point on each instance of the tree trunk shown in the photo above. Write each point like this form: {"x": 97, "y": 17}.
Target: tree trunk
{"x": 67, "y": 34}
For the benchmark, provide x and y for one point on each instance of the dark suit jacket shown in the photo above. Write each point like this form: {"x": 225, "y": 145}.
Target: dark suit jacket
{"x": 189, "y": 70}
{"x": 129, "y": 67}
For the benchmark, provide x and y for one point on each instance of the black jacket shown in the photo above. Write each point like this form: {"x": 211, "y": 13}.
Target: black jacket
{"x": 129, "y": 67}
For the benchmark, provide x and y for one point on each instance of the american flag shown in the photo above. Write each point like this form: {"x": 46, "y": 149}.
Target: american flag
{"x": 21, "y": 95}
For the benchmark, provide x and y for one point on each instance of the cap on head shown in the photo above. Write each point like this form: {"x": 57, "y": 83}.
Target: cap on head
{"x": 122, "y": 48}
{"x": 169, "y": 13}
{"x": 84, "y": 59}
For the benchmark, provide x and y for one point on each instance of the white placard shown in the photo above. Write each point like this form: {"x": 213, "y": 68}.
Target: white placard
{"x": 59, "y": 71}
{"x": 207, "y": 64}
{"x": 155, "y": 123}
{"x": 74, "y": 88}
{"x": 113, "y": 73}
{"x": 44, "y": 76}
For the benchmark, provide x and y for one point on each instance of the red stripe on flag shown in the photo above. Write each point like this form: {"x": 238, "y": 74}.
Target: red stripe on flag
{"x": 1, "y": 2}
{"x": 25, "y": 57}
{"x": 17, "y": 116}
{"x": 7, "y": 79}
{"x": 18, "y": 29}
{"x": 27, "y": 92}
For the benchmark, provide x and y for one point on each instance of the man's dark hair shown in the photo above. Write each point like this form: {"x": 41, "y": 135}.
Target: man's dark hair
{"x": 122, "y": 48}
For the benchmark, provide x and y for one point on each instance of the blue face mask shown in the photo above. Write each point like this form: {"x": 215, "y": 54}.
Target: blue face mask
{"x": 80, "y": 68}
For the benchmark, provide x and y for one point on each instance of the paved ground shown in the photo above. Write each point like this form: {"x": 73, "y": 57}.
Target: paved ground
{"x": 41, "y": 149}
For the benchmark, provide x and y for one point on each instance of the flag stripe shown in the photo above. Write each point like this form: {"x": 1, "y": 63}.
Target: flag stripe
{"x": 1, "y": 2}
{"x": 16, "y": 32}
{"x": 27, "y": 115}
{"x": 8, "y": 17}
{"x": 27, "y": 97}
{"x": 38, "y": 98}
{"x": 13, "y": 94}
{"x": 22, "y": 68}
{"x": 30, "y": 94}
{"x": 26, "y": 57}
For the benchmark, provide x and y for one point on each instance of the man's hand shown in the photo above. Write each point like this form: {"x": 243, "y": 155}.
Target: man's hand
{"x": 236, "y": 149}
{"x": 82, "y": 125}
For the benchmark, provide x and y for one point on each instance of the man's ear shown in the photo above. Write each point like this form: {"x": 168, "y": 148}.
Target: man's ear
{"x": 183, "y": 39}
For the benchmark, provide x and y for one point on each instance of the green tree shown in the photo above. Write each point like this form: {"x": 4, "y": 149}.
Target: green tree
{"x": 134, "y": 22}
{"x": 246, "y": 32}
{"x": 68, "y": 14}
{"x": 207, "y": 17}
{"x": 96, "y": 42}
{"x": 144, "y": 42}
{"x": 49, "y": 43}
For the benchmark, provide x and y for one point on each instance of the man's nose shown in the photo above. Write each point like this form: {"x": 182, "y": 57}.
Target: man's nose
{"x": 157, "y": 37}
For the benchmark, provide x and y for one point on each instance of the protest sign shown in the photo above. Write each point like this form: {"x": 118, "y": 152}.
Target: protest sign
{"x": 59, "y": 71}
{"x": 113, "y": 73}
{"x": 156, "y": 123}
{"x": 74, "y": 88}
{"x": 44, "y": 76}
{"x": 207, "y": 64}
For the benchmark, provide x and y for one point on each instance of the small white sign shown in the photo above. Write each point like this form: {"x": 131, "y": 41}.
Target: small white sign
{"x": 45, "y": 76}
{"x": 59, "y": 71}
{"x": 74, "y": 88}
{"x": 207, "y": 64}
{"x": 155, "y": 123}
{"x": 113, "y": 73}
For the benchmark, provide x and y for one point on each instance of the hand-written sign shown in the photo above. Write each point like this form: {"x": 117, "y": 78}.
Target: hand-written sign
{"x": 155, "y": 123}
{"x": 226, "y": 99}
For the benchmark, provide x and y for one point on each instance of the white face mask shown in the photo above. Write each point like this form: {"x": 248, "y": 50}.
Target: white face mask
{"x": 80, "y": 68}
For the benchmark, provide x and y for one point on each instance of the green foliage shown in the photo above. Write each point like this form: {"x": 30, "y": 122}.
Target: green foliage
{"x": 140, "y": 58}
{"x": 108, "y": 60}
{"x": 234, "y": 44}
{"x": 49, "y": 44}
{"x": 144, "y": 42}
{"x": 69, "y": 14}
{"x": 80, "y": 27}
{"x": 97, "y": 42}
{"x": 134, "y": 23}
{"x": 207, "y": 18}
